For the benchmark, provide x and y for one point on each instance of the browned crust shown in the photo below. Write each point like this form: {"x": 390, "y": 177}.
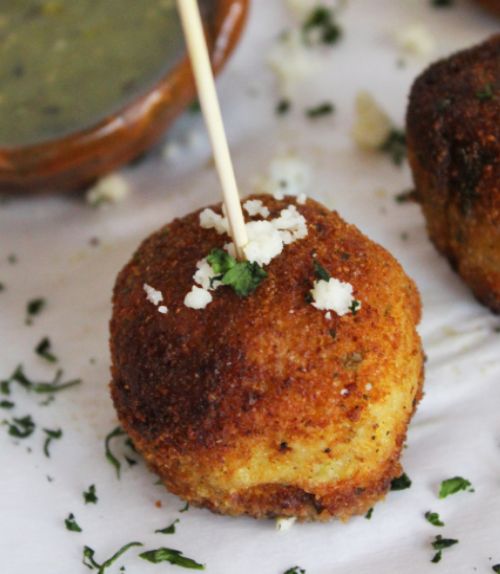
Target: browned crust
{"x": 201, "y": 391}
{"x": 453, "y": 133}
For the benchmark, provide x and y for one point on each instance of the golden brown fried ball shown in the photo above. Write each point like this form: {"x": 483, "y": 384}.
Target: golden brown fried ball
{"x": 261, "y": 405}
{"x": 453, "y": 133}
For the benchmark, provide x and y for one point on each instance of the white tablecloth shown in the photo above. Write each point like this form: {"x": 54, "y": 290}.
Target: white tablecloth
{"x": 456, "y": 430}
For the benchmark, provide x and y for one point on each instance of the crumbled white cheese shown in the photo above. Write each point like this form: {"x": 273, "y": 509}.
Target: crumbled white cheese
{"x": 204, "y": 275}
{"x": 332, "y": 295}
{"x": 291, "y": 59}
{"x": 266, "y": 239}
{"x": 197, "y": 298}
{"x": 368, "y": 387}
{"x": 301, "y": 198}
{"x": 344, "y": 392}
{"x": 416, "y": 40}
{"x": 153, "y": 295}
{"x": 163, "y": 309}
{"x": 328, "y": 315}
{"x": 372, "y": 125}
{"x": 287, "y": 175}
{"x": 291, "y": 225}
{"x": 284, "y": 524}
{"x": 255, "y": 207}
{"x": 264, "y": 242}
{"x": 112, "y": 188}
{"x": 211, "y": 220}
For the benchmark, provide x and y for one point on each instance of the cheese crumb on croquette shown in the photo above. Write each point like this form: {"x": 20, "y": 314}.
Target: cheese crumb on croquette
{"x": 333, "y": 295}
{"x": 197, "y": 298}
{"x": 155, "y": 297}
{"x": 211, "y": 220}
{"x": 266, "y": 240}
{"x": 255, "y": 207}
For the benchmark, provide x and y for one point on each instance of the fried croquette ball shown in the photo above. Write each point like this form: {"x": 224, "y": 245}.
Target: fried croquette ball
{"x": 453, "y": 133}
{"x": 264, "y": 405}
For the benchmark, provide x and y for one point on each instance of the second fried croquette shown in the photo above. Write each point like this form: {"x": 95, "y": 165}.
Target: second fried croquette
{"x": 453, "y": 134}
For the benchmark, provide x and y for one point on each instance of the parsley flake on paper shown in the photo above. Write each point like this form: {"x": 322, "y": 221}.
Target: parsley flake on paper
{"x": 44, "y": 350}
{"x": 433, "y": 518}
{"x": 168, "y": 529}
{"x": 395, "y": 146}
{"x": 90, "y": 496}
{"x": 89, "y": 560}
{"x": 401, "y": 482}
{"x": 453, "y": 485}
{"x": 441, "y": 544}
{"x": 172, "y": 556}
{"x": 51, "y": 435}
{"x": 71, "y": 523}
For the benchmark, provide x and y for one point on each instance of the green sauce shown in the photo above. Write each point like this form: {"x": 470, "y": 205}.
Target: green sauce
{"x": 65, "y": 64}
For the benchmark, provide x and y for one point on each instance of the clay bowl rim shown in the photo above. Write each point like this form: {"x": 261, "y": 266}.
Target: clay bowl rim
{"x": 27, "y": 169}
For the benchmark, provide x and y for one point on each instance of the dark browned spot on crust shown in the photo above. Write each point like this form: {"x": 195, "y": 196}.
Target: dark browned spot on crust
{"x": 453, "y": 130}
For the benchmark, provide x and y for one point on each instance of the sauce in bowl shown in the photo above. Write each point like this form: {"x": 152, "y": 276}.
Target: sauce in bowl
{"x": 66, "y": 64}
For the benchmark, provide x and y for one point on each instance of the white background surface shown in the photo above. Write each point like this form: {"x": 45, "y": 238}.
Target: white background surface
{"x": 456, "y": 429}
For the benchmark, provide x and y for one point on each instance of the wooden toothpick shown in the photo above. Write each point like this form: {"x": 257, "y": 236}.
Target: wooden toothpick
{"x": 200, "y": 61}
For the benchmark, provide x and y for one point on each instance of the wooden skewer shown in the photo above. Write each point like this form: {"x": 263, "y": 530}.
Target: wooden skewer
{"x": 200, "y": 61}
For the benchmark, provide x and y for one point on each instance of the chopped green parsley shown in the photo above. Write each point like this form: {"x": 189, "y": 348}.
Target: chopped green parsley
{"x": 71, "y": 524}
{"x": 322, "y": 21}
{"x": 185, "y": 508}
{"x": 90, "y": 562}
{"x": 33, "y": 308}
{"x": 454, "y": 485}
{"x": 110, "y": 457}
{"x": 44, "y": 350}
{"x": 51, "y": 435}
{"x": 401, "y": 482}
{"x": 283, "y": 107}
{"x": 441, "y": 544}
{"x": 496, "y": 568}
{"x": 168, "y": 529}
{"x": 172, "y": 556}
{"x": 22, "y": 427}
{"x": 369, "y": 514}
{"x": 433, "y": 518}
{"x": 295, "y": 570}
{"x": 54, "y": 386}
{"x": 242, "y": 276}
{"x": 90, "y": 496}
{"x": 324, "y": 109}
{"x": 6, "y": 404}
{"x": 320, "y": 272}
{"x": 485, "y": 93}
{"x": 395, "y": 146}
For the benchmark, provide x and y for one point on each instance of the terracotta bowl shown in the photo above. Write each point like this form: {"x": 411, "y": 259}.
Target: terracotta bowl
{"x": 75, "y": 161}
{"x": 491, "y": 5}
